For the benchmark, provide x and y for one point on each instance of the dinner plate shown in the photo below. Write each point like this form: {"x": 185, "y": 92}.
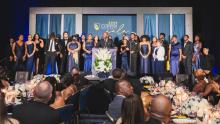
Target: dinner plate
{"x": 184, "y": 121}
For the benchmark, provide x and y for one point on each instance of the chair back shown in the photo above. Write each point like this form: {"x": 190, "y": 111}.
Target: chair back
{"x": 66, "y": 112}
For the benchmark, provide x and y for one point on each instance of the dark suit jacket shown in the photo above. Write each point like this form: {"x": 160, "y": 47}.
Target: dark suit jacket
{"x": 109, "y": 84}
{"x": 207, "y": 62}
{"x": 152, "y": 121}
{"x": 47, "y": 45}
{"x": 35, "y": 113}
{"x": 109, "y": 43}
{"x": 188, "y": 50}
{"x": 63, "y": 47}
{"x": 114, "y": 108}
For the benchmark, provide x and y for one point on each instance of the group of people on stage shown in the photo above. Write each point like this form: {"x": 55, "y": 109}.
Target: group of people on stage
{"x": 137, "y": 56}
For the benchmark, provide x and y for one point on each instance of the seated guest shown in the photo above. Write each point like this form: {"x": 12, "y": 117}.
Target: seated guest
{"x": 123, "y": 89}
{"x": 147, "y": 99}
{"x": 4, "y": 119}
{"x": 53, "y": 82}
{"x": 37, "y": 111}
{"x": 207, "y": 61}
{"x": 70, "y": 89}
{"x": 161, "y": 109}
{"x": 200, "y": 79}
{"x": 68, "y": 77}
{"x": 59, "y": 100}
{"x": 132, "y": 111}
{"x": 4, "y": 84}
{"x": 109, "y": 83}
{"x": 212, "y": 90}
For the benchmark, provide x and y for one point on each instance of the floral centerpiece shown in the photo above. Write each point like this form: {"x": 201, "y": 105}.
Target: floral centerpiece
{"x": 102, "y": 63}
{"x": 147, "y": 80}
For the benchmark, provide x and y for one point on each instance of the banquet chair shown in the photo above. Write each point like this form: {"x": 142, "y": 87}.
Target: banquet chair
{"x": 66, "y": 113}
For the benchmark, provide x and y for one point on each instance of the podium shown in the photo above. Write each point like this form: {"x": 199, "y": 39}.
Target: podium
{"x": 113, "y": 58}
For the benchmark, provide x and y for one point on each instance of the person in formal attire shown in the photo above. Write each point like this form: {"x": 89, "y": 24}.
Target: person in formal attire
{"x": 159, "y": 58}
{"x": 39, "y": 54}
{"x": 11, "y": 42}
{"x": 96, "y": 41}
{"x": 73, "y": 48}
{"x": 137, "y": 38}
{"x": 174, "y": 55}
{"x": 145, "y": 50}
{"x": 105, "y": 42}
{"x": 153, "y": 46}
{"x": 197, "y": 53}
{"x": 132, "y": 111}
{"x": 161, "y": 108}
{"x": 31, "y": 48}
{"x": 87, "y": 47}
{"x": 123, "y": 89}
{"x": 37, "y": 111}
{"x": 200, "y": 81}
{"x": 4, "y": 119}
{"x": 134, "y": 49}
{"x": 207, "y": 61}
{"x": 63, "y": 53}
{"x": 124, "y": 54}
{"x": 165, "y": 44}
{"x": 52, "y": 50}
{"x": 187, "y": 55}
{"x": 81, "y": 57}
{"x": 109, "y": 84}
{"x": 19, "y": 51}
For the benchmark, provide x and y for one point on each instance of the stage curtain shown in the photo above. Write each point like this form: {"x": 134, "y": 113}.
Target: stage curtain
{"x": 55, "y": 24}
{"x": 42, "y": 25}
{"x": 164, "y": 25}
{"x": 179, "y": 26}
{"x": 69, "y": 23}
{"x": 150, "y": 25}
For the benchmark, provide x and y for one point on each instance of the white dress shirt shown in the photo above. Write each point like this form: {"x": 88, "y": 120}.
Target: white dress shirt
{"x": 160, "y": 53}
{"x": 52, "y": 42}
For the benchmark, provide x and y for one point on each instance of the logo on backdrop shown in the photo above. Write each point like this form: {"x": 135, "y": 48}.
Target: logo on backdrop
{"x": 111, "y": 27}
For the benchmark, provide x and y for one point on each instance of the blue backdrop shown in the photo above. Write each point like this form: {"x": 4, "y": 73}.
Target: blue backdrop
{"x": 116, "y": 25}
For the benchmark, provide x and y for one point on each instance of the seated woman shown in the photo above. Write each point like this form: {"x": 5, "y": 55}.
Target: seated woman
{"x": 4, "y": 119}
{"x": 200, "y": 79}
{"x": 212, "y": 90}
{"x": 132, "y": 111}
{"x": 4, "y": 84}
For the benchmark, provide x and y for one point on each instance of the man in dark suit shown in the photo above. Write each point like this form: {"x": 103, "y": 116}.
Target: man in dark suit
{"x": 123, "y": 89}
{"x": 105, "y": 42}
{"x": 63, "y": 53}
{"x": 207, "y": 61}
{"x": 187, "y": 55}
{"x": 37, "y": 111}
{"x": 52, "y": 50}
{"x": 109, "y": 83}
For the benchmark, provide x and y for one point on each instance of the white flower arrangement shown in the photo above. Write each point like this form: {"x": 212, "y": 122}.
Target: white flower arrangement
{"x": 103, "y": 61}
{"x": 147, "y": 80}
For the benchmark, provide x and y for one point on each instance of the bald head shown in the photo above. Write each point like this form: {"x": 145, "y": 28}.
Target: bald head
{"x": 43, "y": 91}
{"x": 123, "y": 87}
{"x": 161, "y": 108}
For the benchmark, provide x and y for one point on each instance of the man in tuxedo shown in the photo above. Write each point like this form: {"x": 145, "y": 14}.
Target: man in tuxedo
{"x": 37, "y": 111}
{"x": 134, "y": 49}
{"x": 187, "y": 55}
{"x": 105, "y": 42}
{"x": 123, "y": 89}
{"x": 63, "y": 53}
{"x": 52, "y": 50}
{"x": 207, "y": 61}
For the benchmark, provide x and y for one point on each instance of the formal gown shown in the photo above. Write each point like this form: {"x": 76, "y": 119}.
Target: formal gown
{"x": 196, "y": 64}
{"x": 124, "y": 59}
{"x": 73, "y": 58}
{"x": 19, "y": 51}
{"x": 41, "y": 56}
{"x": 144, "y": 62}
{"x": 174, "y": 58}
{"x": 30, "y": 60}
{"x": 88, "y": 57}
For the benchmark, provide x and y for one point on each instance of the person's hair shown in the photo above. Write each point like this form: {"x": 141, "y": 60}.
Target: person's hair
{"x": 163, "y": 34}
{"x": 74, "y": 68}
{"x": 145, "y": 37}
{"x": 117, "y": 73}
{"x": 186, "y": 36}
{"x": 174, "y": 36}
{"x": 43, "y": 91}
{"x": 3, "y": 111}
{"x": 35, "y": 36}
{"x": 65, "y": 32}
{"x": 132, "y": 111}
{"x": 52, "y": 35}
